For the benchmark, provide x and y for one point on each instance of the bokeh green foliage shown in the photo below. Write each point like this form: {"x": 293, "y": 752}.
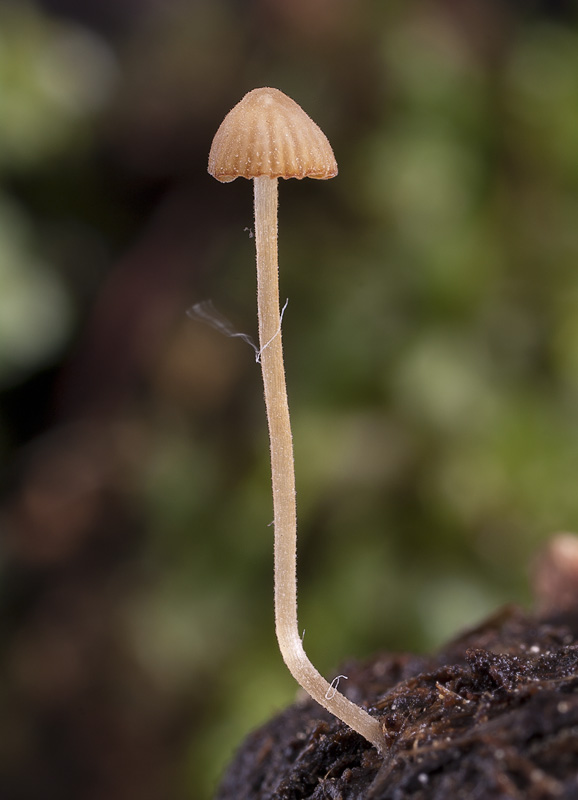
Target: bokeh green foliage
{"x": 431, "y": 334}
{"x": 54, "y": 78}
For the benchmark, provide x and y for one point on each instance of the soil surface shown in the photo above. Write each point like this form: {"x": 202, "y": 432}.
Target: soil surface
{"x": 493, "y": 715}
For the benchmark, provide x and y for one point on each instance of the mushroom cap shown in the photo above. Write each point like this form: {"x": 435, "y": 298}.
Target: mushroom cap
{"x": 268, "y": 134}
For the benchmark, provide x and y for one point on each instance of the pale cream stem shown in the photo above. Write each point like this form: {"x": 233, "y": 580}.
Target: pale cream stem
{"x": 283, "y": 474}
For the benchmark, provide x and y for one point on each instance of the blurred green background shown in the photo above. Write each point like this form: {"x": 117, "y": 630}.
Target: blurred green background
{"x": 431, "y": 341}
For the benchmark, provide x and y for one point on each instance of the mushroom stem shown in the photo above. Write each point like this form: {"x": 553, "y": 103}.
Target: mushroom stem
{"x": 283, "y": 474}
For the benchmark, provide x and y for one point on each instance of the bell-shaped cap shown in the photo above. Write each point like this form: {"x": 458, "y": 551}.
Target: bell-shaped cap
{"x": 268, "y": 134}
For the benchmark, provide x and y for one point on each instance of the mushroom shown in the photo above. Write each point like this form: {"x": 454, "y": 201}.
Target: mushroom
{"x": 267, "y": 136}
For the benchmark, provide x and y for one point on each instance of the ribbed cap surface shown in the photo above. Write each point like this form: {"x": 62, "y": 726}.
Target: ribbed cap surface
{"x": 267, "y": 133}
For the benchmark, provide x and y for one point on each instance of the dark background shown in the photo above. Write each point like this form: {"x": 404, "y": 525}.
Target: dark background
{"x": 432, "y": 355}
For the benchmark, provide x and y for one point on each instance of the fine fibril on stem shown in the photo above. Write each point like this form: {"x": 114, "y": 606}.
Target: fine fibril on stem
{"x": 265, "y": 137}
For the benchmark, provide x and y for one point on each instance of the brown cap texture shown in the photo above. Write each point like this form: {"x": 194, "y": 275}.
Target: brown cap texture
{"x": 268, "y": 134}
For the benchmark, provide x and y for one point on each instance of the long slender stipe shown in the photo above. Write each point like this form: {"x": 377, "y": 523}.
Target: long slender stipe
{"x": 283, "y": 474}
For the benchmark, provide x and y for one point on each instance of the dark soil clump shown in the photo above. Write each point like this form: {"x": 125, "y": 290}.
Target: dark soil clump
{"x": 493, "y": 715}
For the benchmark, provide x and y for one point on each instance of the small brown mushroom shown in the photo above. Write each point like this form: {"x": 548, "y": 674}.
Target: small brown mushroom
{"x": 555, "y": 578}
{"x": 265, "y": 137}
